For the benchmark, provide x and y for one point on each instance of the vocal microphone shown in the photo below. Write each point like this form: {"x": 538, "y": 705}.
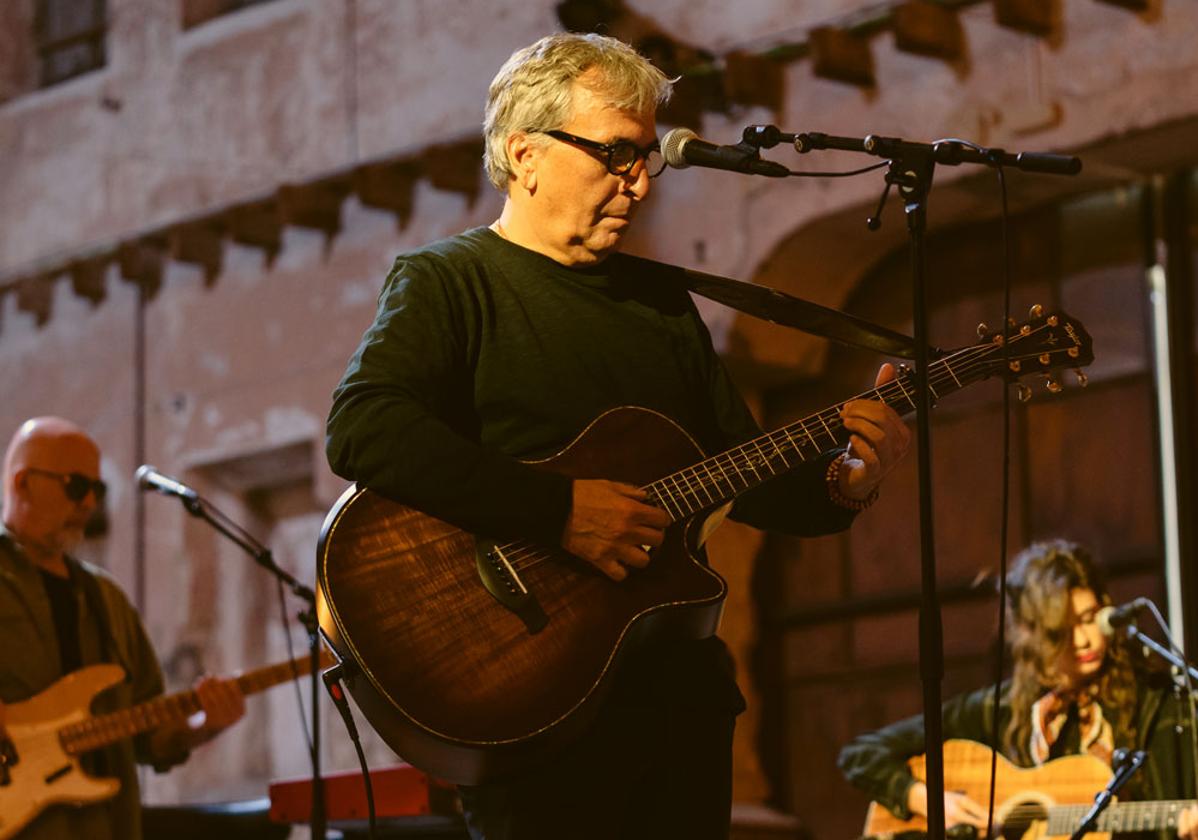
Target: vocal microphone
{"x": 148, "y": 478}
{"x": 1110, "y": 619}
{"x": 681, "y": 148}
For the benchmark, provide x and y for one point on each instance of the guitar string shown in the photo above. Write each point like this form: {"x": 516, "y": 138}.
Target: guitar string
{"x": 740, "y": 458}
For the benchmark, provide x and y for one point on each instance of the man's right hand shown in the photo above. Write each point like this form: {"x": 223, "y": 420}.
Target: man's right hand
{"x": 610, "y": 526}
{"x": 959, "y": 809}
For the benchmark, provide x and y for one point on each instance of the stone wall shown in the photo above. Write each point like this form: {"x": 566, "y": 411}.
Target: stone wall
{"x": 240, "y": 364}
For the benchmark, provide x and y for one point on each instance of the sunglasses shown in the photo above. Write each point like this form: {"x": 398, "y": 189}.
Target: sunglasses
{"x": 76, "y": 485}
{"x": 621, "y": 156}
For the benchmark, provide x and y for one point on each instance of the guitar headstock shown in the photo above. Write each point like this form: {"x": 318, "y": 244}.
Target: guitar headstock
{"x": 1042, "y": 345}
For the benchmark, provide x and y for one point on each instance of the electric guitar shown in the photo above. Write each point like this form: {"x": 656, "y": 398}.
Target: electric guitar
{"x": 50, "y": 731}
{"x": 1030, "y": 802}
{"x": 471, "y": 659}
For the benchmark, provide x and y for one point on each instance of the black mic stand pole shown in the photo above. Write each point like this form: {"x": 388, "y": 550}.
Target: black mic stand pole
{"x": 911, "y": 169}
{"x": 1124, "y": 770}
{"x": 202, "y": 509}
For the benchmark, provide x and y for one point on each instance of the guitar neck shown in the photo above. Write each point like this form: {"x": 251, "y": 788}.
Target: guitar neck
{"x": 99, "y": 731}
{"x": 722, "y": 477}
{"x": 1122, "y": 816}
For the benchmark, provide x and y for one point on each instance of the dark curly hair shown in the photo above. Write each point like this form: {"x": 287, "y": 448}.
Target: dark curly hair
{"x": 1038, "y": 587}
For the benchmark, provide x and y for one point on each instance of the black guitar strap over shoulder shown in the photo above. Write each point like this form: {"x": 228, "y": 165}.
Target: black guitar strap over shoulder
{"x": 789, "y": 311}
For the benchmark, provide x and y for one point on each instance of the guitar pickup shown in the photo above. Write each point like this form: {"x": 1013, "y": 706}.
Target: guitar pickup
{"x": 503, "y": 582}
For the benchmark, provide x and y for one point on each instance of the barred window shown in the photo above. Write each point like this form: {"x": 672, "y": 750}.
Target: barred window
{"x": 70, "y": 38}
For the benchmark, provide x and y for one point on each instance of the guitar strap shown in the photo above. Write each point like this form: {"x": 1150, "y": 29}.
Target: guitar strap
{"x": 95, "y": 603}
{"x": 789, "y": 311}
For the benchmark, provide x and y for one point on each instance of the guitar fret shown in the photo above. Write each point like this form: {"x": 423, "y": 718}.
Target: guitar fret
{"x": 749, "y": 463}
{"x": 899, "y": 384}
{"x": 689, "y": 478}
{"x": 778, "y": 449}
{"x": 665, "y": 499}
{"x": 680, "y": 493}
{"x": 764, "y": 456}
{"x": 798, "y": 450}
{"x": 728, "y": 481}
{"x": 949, "y": 368}
{"x": 703, "y": 482}
{"x": 827, "y": 431}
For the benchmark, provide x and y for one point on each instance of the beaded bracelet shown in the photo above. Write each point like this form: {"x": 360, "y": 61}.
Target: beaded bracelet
{"x": 832, "y": 479}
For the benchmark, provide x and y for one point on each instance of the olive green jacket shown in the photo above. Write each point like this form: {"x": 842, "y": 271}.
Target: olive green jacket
{"x": 30, "y": 663}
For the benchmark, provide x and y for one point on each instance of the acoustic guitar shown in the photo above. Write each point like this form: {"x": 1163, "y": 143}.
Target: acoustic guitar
{"x": 51, "y": 730}
{"x": 1030, "y": 802}
{"x": 471, "y": 658}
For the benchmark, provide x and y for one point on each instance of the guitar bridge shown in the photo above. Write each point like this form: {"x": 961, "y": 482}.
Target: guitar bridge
{"x": 503, "y": 582}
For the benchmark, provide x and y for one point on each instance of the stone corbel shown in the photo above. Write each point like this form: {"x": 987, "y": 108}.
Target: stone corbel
{"x": 754, "y": 80}
{"x": 1041, "y": 18}
{"x": 842, "y": 56}
{"x": 141, "y": 262}
{"x": 88, "y": 277}
{"x": 257, "y": 224}
{"x": 35, "y": 295}
{"x": 454, "y": 167}
{"x": 929, "y": 29}
{"x": 316, "y": 206}
{"x": 389, "y": 186}
{"x": 200, "y": 242}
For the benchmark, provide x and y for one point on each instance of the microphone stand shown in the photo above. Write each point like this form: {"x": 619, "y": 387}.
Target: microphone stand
{"x": 911, "y": 168}
{"x": 1124, "y": 771}
{"x": 1174, "y": 659}
{"x": 205, "y": 510}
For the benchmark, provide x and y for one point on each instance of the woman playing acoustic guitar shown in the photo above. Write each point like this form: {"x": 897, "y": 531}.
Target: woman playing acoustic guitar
{"x": 1072, "y": 691}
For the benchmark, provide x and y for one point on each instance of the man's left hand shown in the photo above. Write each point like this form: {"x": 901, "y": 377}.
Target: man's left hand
{"x": 879, "y": 440}
{"x": 223, "y": 705}
{"x": 1187, "y": 824}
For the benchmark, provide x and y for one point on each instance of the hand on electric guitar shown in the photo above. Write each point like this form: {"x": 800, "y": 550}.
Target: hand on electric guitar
{"x": 959, "y": 809}
{"x": 222, "y": 704}
{"x": 879, "y": 440}
{"x": 610, "y": 524}
{"x": 1187, "y": 824}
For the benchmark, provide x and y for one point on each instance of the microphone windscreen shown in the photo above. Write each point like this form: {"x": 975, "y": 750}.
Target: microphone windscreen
{"x": 671, "y": 146}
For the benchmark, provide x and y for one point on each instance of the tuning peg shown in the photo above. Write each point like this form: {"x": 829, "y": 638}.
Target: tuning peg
{"x": 1036, "y": 312}
{"x": 1024, "y": 392}
{"x": 1011, "y": 323}
{"x": 1082, "y": 379}
{"x": 983, "y": 330}
{"x": 1053, "y": 384}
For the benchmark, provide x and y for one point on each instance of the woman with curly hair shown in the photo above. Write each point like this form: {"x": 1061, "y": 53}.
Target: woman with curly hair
{"x": 1072, "y": 691}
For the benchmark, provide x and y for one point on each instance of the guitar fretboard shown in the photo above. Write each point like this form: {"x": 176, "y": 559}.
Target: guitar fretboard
{"x": 106, "y": 729}
{"x": 1122, "y": 816}
{"x": 722, "y": 477}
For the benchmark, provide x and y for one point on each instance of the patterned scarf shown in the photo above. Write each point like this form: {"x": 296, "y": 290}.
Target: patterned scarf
{"x": 1051, "y": 712}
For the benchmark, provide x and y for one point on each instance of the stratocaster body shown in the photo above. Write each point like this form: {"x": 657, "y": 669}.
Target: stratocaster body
{"x": 46, "y": 775}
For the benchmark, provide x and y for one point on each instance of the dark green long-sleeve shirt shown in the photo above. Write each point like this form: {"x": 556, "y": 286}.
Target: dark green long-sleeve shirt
{"x": 483, "y": 352}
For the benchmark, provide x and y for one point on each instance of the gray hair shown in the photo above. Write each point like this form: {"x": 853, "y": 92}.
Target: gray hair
{"x": 534, "y": 90}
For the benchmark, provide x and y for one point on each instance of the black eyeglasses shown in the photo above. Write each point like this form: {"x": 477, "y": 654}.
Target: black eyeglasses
{"x": 76, "y": 485}
{"x": 622, "y": 155}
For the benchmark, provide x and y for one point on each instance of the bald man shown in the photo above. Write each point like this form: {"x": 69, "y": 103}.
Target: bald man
{"x": 58, "y": 614}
